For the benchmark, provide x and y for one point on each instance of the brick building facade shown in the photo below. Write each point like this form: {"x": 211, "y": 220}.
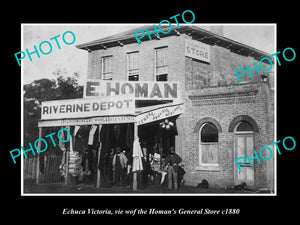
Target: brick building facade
{"x": 222, "y": 118}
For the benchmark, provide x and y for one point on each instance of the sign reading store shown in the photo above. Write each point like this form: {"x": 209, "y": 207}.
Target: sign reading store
{"x": 142, "y": 90}
{"x": 197, "y": 50}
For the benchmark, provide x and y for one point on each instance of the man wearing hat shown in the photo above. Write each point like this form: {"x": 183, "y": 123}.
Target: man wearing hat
{"x": 172, "y": 161}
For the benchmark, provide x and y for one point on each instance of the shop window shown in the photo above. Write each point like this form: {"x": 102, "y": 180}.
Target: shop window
{"x": 161, "y": 66}
{"x": 133, "y": 66}
{"x": 106, "y": 65}
{"x": 209, "y": 145}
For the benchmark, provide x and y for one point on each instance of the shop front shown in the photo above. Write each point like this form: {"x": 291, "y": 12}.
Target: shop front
{"x": 142, "y": 130}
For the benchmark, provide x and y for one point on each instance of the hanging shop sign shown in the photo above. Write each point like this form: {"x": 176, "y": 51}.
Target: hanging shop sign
{"x": 143, "y": 90}
{"x": 159, "y": 114}
{"x": 197, "y": 50}
{"x": 83, "y": 108}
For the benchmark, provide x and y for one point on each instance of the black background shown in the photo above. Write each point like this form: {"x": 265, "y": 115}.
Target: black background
{"x": 40, "y": 209}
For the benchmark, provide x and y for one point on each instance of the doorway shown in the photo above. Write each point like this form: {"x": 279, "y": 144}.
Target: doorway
{"x": 244, "y": 144}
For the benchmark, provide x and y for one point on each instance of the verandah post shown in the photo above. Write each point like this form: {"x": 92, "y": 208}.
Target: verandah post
{"x": 98, "y": 184}
{"x": 134, "y": 185}
{"x": 38, "y": 159}
{"x": 67, "y": 167}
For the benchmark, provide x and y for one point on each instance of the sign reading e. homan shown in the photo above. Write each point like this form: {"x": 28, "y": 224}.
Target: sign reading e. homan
{"x": 142, "y": 90}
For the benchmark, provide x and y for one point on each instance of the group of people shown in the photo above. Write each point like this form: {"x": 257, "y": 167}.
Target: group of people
{"x": 117, "y": 169}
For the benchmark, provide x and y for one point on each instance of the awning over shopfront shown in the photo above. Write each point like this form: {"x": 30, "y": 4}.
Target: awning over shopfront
{"x": 150, "y": 114}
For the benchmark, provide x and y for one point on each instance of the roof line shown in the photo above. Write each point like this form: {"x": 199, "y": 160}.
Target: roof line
{"x": 127, "y": 35}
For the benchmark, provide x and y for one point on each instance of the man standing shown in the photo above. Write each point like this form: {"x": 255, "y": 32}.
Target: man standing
{"x": 119, "y": 166}
{"x": 172, "y": 161}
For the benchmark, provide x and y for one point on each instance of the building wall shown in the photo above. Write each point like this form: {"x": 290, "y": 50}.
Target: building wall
{"x": 224, "y": 109}
{"x": 146, "y": 59}
{"x": 210, "y": 90}
{"x": 195, "y": 74}
{"x": 220, "y": 70}
{"x": 205, "y": 81}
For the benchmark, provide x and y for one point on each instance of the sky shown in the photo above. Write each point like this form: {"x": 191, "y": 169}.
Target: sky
{"x": 73, "y": 60}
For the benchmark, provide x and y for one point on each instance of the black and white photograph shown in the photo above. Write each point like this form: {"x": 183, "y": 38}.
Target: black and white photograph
{"x": 145, "y": 109}
{"x": 151, "y": 113}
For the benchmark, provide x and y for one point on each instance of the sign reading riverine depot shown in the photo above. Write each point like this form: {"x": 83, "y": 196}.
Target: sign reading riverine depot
{"x": 92, "y": 107}
{"x": 142, "y": 90}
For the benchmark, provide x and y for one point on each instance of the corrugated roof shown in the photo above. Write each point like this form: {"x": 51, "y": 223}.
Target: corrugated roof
{"x": 197, "y": 33}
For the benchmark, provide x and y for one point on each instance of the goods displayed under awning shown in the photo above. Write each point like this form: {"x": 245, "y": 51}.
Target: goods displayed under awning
{"x": 101, "y": 111}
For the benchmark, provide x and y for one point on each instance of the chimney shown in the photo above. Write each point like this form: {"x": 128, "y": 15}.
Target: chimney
{"x": 217, "y": 29}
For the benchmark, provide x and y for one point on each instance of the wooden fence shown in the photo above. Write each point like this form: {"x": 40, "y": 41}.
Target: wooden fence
{"x": 29, "y": 168}
{"x": 50, "y": 171}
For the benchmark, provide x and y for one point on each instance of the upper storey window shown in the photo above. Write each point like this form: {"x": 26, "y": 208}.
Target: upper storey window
{"x": 106, "y": 65}
{"x": 161, "y": 66}
{"x": 133, "y": 66}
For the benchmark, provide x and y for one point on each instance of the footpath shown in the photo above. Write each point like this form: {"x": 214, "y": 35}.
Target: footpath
{"x": 61, "y": 188}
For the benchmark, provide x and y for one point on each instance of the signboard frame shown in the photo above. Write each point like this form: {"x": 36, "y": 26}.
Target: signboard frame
{"x": 197, "y": 50}
{"x": 159, "y": 113}
{"x": 87, "y": 107}
{"x": 141, "y": 90}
